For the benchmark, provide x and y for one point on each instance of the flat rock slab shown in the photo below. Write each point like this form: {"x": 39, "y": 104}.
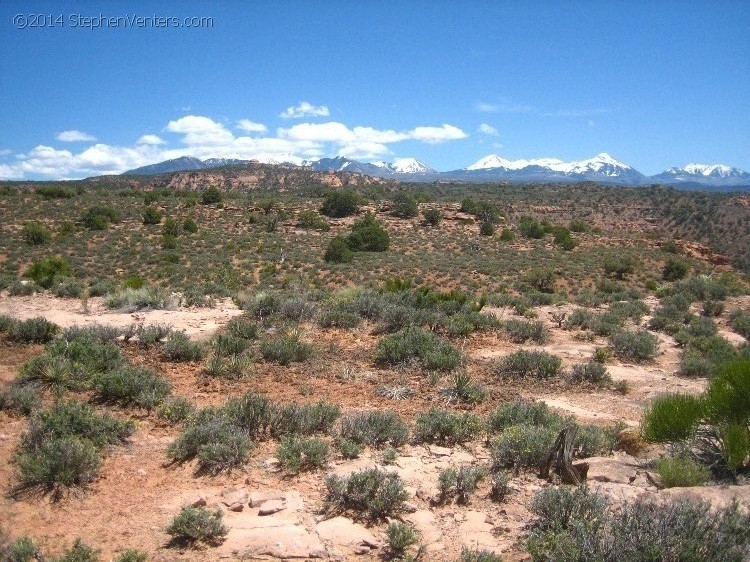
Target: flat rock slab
{"x": 620, "y": 469}
{"x": 475, "y": 531}
{"x": 425, "y": 522}
{"x": 288, "y": 541}
{"x": 345, "y": 535}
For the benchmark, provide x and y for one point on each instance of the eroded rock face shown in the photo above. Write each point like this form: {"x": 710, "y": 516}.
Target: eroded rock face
{"x": 344, "y": 537}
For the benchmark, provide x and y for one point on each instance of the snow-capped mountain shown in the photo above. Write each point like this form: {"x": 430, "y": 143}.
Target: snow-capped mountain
{"x": 601, "y": 167}
{"x": 717, "y": 175}
{"x": 397, "y": 168}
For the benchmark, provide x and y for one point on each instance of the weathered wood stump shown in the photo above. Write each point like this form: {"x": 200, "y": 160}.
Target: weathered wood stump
{"x": 560, "y": 457}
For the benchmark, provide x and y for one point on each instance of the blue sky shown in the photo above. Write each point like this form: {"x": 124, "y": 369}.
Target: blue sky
{"x": 654, "y": 84}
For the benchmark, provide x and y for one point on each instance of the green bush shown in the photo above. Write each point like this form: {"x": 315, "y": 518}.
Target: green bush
{"x": 309, "y": 219}
{"x": 575, "y": 524}
{"x": 98, "y": 217}
{"x": 338, "y": 251}
{"x": 22, "y": 549}
{"x": 44, "y": 273}
{"x": 415, "y": 343}
{"x": 404, "y": 205}
{"x": 368, "y": 235}
{"x": 507, "y": 235}
{"x": 432, "y": 216}
{"x": 179, "y": 347}
{"x": 35, "y": 234}
{"x": 153, "y": 298}
{"x": 286, "y": 350}
{"x": 23, "y": 288}
{"x": 401, "y": 536}
{"x": 303, "y": 419}
{"x": 522, "y": 413}
{"x": 672, "y": 417}
{"x": 541, "y": 279}
{"x": 79, "y": 552}
{"x": 197, "y": 525}
{"x": 521, "y": 446}
{"x": 520, "y": 331}
{"x": 591, "y": 372}
{"x": 189, "y": 225}
{"x": 461, "y": 482}
{"x": 371, "y": 493}
{"x": 524, "y": 363}
{"x": 131, "y": 386}
{"x": 675, "y": 269}
{"x": 20, "y": 398}
{"x": 340, "y": 203}
{"x": 33, "y": 330}
{"x": 216, "y": 442}
{"x": 175, "y": 409}
{"x": 170, "y": 228}
{"x": 151, "y": 215}
{"x": 478, "y": 555}
{"x": 132, "y": 555}
{"x": 464, "y": 389}
{"x": 530, "y": 228}
{"x": 71, "y": 288}
{"x": 443, "y": 427}
{"x": 375, "y": 429}
{"x": 681, "y": 471}
{"x": 619, "y": 265}
{"x": 296, "y": 455}
{"x": 635, "y": 346}
{"x": 740, "y": 322}
{"x": 211, "y": 196}
{"x": 349, "y": 449}
{"x": 243, "y": 328}
{"x": 486, "y": 228}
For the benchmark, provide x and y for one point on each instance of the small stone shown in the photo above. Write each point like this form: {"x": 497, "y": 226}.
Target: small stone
{"x": 237, "y": 507}
{"x": 423, "y": 495}
{"x": 408, "y": 507}
{"x": 272, "y": 506}
{"x": 141, "y": 472}
{"x": 200, "y": 502}
{"x": 440, "y": 451}
{"x": 370, "y": 543}
{"x": 362, "y": 550}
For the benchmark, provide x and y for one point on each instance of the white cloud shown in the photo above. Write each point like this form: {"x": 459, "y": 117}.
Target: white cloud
{"x": 305, "y": 109}
{"x": 150, "y": 139}
{"x": 5, "y": 152}
{"x": 251, "y": 127}
{"x": 485, "y": 107}
{"x": 486, "y": 129}
{"x": 74, "y": 136}
{"x": 202, "y": 137}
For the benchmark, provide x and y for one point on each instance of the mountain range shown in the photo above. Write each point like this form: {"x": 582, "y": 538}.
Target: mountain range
{"x": 602, "y": 168}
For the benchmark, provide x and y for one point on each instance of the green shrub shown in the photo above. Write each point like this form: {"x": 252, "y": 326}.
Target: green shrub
{"x": 349, "y": 449}
{"x": 35, "y": 234}
{"x": 464, "y": 389}
{"x": 98, "y": 217}
{"x": 432, "y": 216}
{"x": 340, "y": 203}
{"x": 712, "y": 308}
{"x": 575, "y": 524}
{"x": 224, "y": 454}
{"x": 22, "y": 549}
{"x": 524, "y": 363}
{"x": 522, "y": 413}
{"x": 286, "y": 350}
{"x": 303, "y": 419}
{"x": 179, "y": 347}
{"x": 507, "y": 235}
{"x": 541, "y": 279}
{"x": 20, "y": 398}
{"x": 243, "y": 328}
{"x": 151, "y": 215}
{"x": 591, "y": 372}
{"x": 681, "y": 471}
{"x": 404, "y": 205}
{"x": 375, "y": 429}
{"x": 132, "y": 300}
{"x": 216, "y": 442}
{"x": 309, "y": 219}
{"x": 175, "y": 409}
{"x": 635, "y": 346}
{"x": 413, "y": 342}
{"x": 521, "y": 446}
{"x": 211, "y": 196}
{"x": 79, "y": 552}
{"x": 296, "y": 455}
{"x": 401, "y": 536}
{"x": 170, "y": 228}
{"x": 71, "y": 288}
{"x": 461, "y": 482}
{"x": 520, "y": 331}
{"x": 478, "y": 555}
{"x": 54, "y": 192}
{"x": 189, "y": 225}
{"x": 44, "y": 273}
{"x": 131, "y": 386}
{"x": 371, "y": 493}
{"x": 443, "y": 427}
{"x": 368, "y": 235}
{"x": 530, "y": 228}
{"x": 56, "y": 464}
{"x": 740, "y": 323}
{"x": 486, "y": 228}
{"x": 619, "y": 265}
{"x": 33, "y": 330}
{"x": 197, "y": 525}
{"x": 672, "y": 417}
{"x": 500, "y": 488}
{"x": 338, "y": 251}
{"x": 132, "y": 555}
{"x": 675, "y": 269}
{"x": 23, "y": 288}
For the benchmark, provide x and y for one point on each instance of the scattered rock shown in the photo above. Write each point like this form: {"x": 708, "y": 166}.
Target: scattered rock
{"x": 200, "y": 502}
{"x": 345, "y": 536}
{"x": 236, "y": 507}
{"x": 440, "y": 451}
{"x": 271, "y": 506}
{"x": 256, "y": 498}
{"x": 409, "y": 507}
